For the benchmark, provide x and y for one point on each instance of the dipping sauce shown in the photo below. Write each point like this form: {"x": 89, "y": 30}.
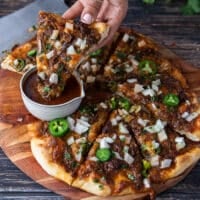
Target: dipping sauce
{"x": 71, "y": 91}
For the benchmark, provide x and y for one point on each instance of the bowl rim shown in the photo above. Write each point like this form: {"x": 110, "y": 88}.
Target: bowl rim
{"x": 32, "y": 70}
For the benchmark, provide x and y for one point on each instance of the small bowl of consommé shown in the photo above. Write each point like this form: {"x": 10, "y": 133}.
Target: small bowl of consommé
{"x": 46, "y": 110}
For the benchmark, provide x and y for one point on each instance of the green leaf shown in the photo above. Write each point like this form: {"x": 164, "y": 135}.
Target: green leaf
{"x": 192, "y": 7}
{"x": 149, "y": 1}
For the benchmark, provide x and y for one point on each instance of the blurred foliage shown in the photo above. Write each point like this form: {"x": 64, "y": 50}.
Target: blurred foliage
{"x": 190, "y": 7}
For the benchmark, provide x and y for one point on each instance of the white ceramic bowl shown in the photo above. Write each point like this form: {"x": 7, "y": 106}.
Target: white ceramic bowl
{"x": 49, "y": 112}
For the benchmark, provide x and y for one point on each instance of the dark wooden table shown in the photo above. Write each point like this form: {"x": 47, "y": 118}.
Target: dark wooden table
{"x": 163, "y": 23}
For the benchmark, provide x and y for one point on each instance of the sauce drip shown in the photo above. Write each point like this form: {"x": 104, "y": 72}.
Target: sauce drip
{"x": 71, "y": 91}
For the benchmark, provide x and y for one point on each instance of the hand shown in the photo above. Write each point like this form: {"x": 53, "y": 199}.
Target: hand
{"x": 110, "y": 11}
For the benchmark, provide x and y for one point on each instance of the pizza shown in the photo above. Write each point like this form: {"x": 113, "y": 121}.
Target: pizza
{"x": 62, "y": 45}
{"x": 137, "y": 131}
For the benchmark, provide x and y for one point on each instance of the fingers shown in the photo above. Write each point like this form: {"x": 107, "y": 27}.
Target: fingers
{"x": 74, "y": 11}
{"x": 102, "y": 13}
{"x": 90, "y": 11}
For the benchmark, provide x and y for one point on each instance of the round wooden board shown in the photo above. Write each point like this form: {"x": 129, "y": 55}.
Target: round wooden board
{"x": 15, "y": 121}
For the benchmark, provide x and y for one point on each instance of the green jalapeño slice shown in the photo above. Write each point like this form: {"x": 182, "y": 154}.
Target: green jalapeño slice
{"x": 58, "y": 127}
{"x": 171, "y": 100}
{"x": 104, "y": 154}
{"x": 147, "y": 67}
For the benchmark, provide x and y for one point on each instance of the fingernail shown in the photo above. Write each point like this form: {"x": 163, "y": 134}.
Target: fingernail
{"x": 87, "y": 18}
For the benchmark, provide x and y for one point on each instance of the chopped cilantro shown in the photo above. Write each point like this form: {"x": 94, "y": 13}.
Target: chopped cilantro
{"x": 131, "y": 176}
{"x": 68, "y": 156}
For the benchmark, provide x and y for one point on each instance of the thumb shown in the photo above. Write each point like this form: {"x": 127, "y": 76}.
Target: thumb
{"x": 90, "y": 11}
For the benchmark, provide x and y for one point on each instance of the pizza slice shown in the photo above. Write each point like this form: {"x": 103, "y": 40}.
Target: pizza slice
{"x": 168, "y": 100}
{"x": 21, "y": 57}
{"x": 63, "y": 144}
{"x": 62, "y": 45}
{"x": 114, "y": 165}
{"x": 166, "y": 153}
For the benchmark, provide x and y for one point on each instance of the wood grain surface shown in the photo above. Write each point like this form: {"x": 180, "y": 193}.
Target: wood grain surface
{"x": 166, "y": 25}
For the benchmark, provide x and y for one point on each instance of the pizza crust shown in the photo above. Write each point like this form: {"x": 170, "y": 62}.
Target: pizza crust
{"x": 182, "y": 163}
{"x": 43, "y": 157}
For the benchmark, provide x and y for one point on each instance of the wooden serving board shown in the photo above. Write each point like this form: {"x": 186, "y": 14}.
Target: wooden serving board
{"x": 15, "y": 121}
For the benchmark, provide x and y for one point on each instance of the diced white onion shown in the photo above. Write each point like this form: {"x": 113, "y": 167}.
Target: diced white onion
{"x": 185, "y": 114}
{"x": 70, "y": 140}
{"x": 95, "y": 159}
{"x": 86, "y": 66}
{"x": 187, "y": 102}
{"x": 146, "y": 183}
{"x": 57, "y": 44}
{"x": 103, "y": 105}
{"x": 142, "y": 122}
{"x": 81, "y": 140}
{"x": 71, "y": 50}
{"x": 156, "y": 128}
{"x": 138, "y": 88}
{"x": 53, "y": 79}
{"x": 94, "y": 68}
{"x": 117, "y": 155}
{"x": 114, "y": 137}
{"x": 69, "y": 26}
{"x": 41, "y": 75}
{"x": 165, "y": 163}
{"x": 83, "y": 44}
{"x": 84, "y": 118}
{"x": 113, "y": 122}
{"x": 155, "y": 144}
{"x": 104, "y": 144}
{"x": 156, "y": 82}
{"x": 71, "y": 122}
{"x": 128, "y": 158}
{"x": 192, "y": 116}
{"x": 78, "y": 42}
{"x": 84, "y": 122}
{"x": 90, "y": 79}
{"x": 108, "y": 140}
{"x": 134, "y": 62}
{"x": 126, "y": 148}
{"x": 180, "y": 143}
{"x": 16, "y": 62}
{"x": 141, "y": 43}
{"x": 118, "y": 118}
{"x": 80, "y": 128}
{"x": 78, "y": 155}
{"x": 125, "y": 37}
{"x": 162, "y": 136}
{"x": 129, "y": 69}
{"x": 154, "y": 161}
{"x": 132, "y": 80}
{"x": 155, "y": 88}
{"x": 54, "y": 34}
{"x": 122, "y": 137}
{"x": 94, "y": 60}
{"x": 50, "y": 54}
{"x": 148, "y": 92}
{"x": 123, "y": 129}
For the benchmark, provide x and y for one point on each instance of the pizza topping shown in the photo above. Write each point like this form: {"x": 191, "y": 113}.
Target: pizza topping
{"x": 90, "y": 79}
{"x": 171, "y": 100}
{"x": 50, "y": 54}
{"x": 124, "y": 103}
{"x": 156, "y": 128}
{"x": 155, "y": 161}
{"x": 71, "y": 122}
{"x": 128, "y": 158}
{"x": 192, "y": 116}
{"x": 71, "y": 50}
{"x": 58, "y": 127}
{"x": 180, "y": 143}
{"x": 125, "y": 37}
{"x": 81, "y": 140}
{"x": 138, "y": 88}
{"x": 41, "y": 75}
{"x": 146, "y": 167}
{"x": 70, "y": 140}
{"x": 147, "y": 67}
{"x": 54, "y": 35}
{"x": 103, "y": 105}
{"x": 69, "y": 27}
{"x": 185, "y": 115}
{"x": 123, "y": 129}
{"x": 93, "y": 158}
{"x": 53, "y": 79}
{"x": 132, "y": 80}
{"x": 148, "y": 92}
{"x": 162, "y": 136}
{"x": 146, "y": 183}
{"x": 19, "y": 64}
{"x": 32, "y": 53}
{"x": 81, "y": 126}
{"x": 104, "y": 154}
{"x": 131, "y": 176}
{"x": 96, "y": 53}
{"x": 58, "y": 44}
{"x": 117, "y": 155}
{"x": 142, "y": 122}
{"x": 165, "y": 163}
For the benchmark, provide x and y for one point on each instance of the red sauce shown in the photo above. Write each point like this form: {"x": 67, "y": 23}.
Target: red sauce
{"x": 72, "y": 90}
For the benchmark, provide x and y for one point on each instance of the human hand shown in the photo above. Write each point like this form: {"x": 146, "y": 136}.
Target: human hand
{"x": 110, "y": 11}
